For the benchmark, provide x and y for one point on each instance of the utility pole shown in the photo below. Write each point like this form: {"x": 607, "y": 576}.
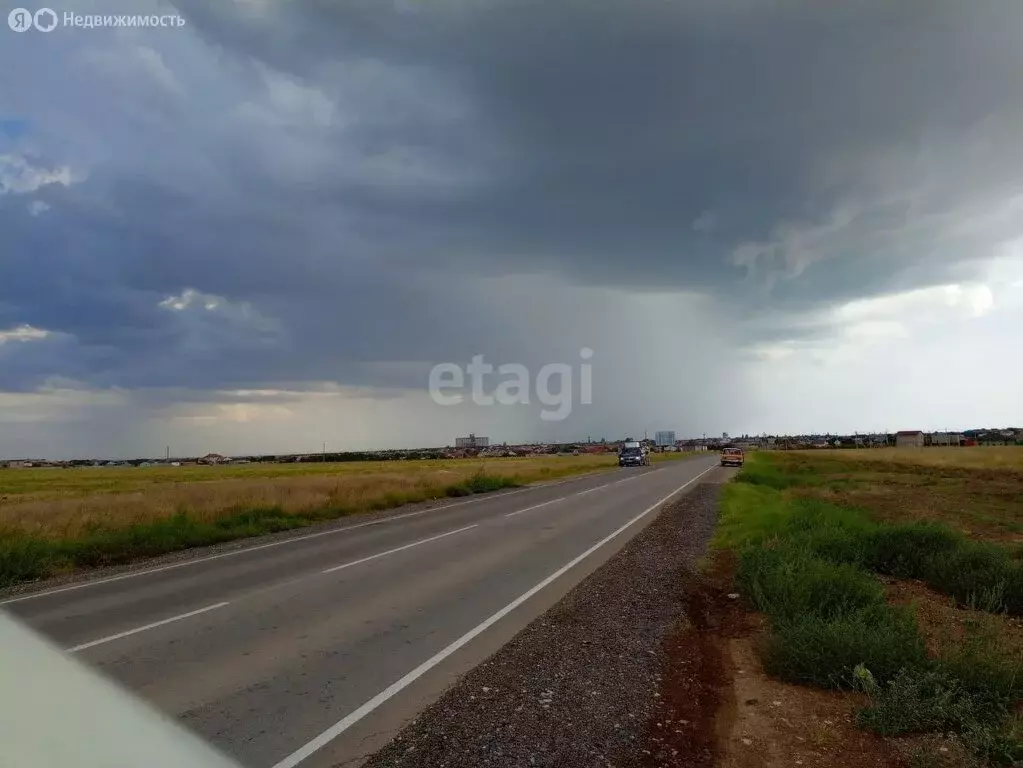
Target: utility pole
{"x": 324, "y": 452}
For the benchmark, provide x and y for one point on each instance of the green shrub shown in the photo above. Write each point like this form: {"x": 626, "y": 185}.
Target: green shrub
{"x": 988, "y": 667}
{"x": 23, "y": 558}
{"x": 975, "y": 573}
{"x": 759, "y": 472}
{"x": 837, "y": 544}
{"x": 908, "y": 551}
{"x": 788, "y": 582}
{"x": 917, "y": 700}
{"x": 1014, "y": 589}
{"x": 824, "y": 652}
{"x": 481, "y": 482}
{"x": 934, "y": 700}
{"x": 810, "y": 514}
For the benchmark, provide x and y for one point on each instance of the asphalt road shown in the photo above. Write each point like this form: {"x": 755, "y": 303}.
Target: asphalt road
{"x": 313, "y": 651}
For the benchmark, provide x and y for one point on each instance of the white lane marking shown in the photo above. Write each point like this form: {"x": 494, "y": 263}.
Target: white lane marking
{"x": 293, "y": 540}
{"x": 347, "y": 722}
{"x": 399, "y": 549}
{"x": 154, "y": 625}
{"x": 172, "y": 619}
{"x": 536, "y": 506}
{"x": 562, "y": 498}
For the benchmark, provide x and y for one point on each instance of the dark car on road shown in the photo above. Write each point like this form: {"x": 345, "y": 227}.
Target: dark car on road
{"x": 633, "y": 455}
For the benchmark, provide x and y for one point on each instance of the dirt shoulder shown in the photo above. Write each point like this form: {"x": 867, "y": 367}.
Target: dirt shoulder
{"x": 717, "y": 706}
{"x": 581, "y": 685}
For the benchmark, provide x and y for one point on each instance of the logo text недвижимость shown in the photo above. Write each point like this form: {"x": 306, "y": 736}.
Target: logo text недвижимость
{"x": 47, "y": 20}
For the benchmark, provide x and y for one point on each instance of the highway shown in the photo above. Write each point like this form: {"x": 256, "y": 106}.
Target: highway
{"x": 313, "y": 651}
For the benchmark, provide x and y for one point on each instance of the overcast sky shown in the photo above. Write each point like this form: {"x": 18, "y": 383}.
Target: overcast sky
{"x": 259, "y": 231}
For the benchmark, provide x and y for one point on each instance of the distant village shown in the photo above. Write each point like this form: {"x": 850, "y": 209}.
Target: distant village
{"x": 480, "y": 447}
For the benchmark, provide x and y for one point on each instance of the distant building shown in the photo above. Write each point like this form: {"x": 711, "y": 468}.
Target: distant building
{"x": 946, "y": 438}
{"x": 909, "y": 439}
{"x": 663, "y": 439}
{"x": 472, "y": 442}
{"x": 212, "y": 458}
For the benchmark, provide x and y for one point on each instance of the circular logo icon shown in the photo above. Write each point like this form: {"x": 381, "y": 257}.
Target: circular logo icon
{"x": 45, "y": 20}
{"x": 20, "y": 20}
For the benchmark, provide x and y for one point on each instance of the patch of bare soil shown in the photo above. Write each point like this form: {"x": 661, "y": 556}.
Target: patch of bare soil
{"x": 694, "y": 701}
{"x": 946, "y": 625}
{"x": 776, "y": 724}
{"x": 717, "y": 707}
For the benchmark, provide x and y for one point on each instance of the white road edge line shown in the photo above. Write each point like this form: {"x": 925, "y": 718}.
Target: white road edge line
{"x": 399, "y": 549}
{"x": 347, "y": 722}
{"x": 306, "y": 537}
{"x": 154, "y": 625}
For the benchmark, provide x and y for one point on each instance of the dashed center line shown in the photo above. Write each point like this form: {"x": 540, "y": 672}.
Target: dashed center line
{"x": 399, "y": 549}
{"x": 569, "y": 496}
{"x": 189, "y": 614}
{"x": 536, "y": 506}
{"x": 154, "y": 625}
{"x": 327, "y": 736}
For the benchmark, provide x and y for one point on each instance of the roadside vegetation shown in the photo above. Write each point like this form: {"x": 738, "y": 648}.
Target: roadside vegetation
{"x": 898, "y": 577}
{"x": 57, "y": 520}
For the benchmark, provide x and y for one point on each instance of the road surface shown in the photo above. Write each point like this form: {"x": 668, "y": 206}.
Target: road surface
{"x": 314, "y": 651}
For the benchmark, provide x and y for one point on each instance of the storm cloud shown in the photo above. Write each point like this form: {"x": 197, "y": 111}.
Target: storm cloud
{"x": 323, "y": 200}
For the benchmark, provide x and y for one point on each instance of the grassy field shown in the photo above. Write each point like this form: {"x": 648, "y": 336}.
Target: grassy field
{"x": 976, "y": 457}
{"x": 829, "y": 545}
{"x": 54, "y": 520}
{"x": 978, "y": 491}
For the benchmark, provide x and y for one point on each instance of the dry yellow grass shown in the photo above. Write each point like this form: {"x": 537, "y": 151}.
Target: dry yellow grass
{"x": 67, "y": 510}
{"x": 57, "y": 483}
{"x": 978, "y": 490}
{"x": 974, "y": 457}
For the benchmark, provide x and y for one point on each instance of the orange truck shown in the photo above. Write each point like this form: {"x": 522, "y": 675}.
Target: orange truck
{"x": 732, "y": 457}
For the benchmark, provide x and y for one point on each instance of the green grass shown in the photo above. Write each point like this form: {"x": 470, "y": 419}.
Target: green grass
{"x": 809, "y": 566}
{"x": 789, "y": 583}
{"x": 937, "y": 699}
{"x": 737, "y": 527}
{"x": 26, "y": 558}
{"x": 978, "y": 574}
{"x": 812, "y": 650}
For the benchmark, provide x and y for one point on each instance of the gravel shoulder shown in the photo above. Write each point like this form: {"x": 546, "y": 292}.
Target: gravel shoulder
{"x": 582, "y": 685}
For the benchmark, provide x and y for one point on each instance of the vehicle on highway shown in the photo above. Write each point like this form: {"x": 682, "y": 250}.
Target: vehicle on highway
{"x": 732, "y": 457}
{"x": 632, "y": 454}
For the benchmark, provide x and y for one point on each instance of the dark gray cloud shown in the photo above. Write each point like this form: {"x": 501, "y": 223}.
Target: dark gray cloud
{"x": 278, "y": 195}
{"x": 613, "y": 126}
